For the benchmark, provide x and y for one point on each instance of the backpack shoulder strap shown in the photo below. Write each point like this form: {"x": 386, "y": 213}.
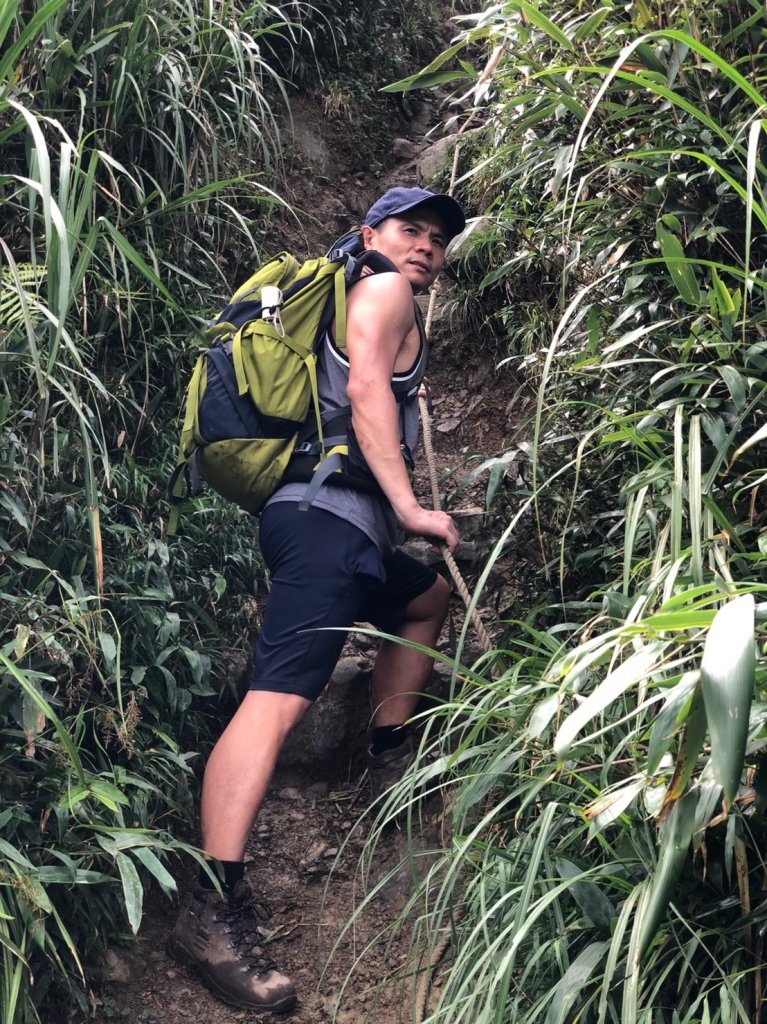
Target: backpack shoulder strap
{"x": 353, "y": 267}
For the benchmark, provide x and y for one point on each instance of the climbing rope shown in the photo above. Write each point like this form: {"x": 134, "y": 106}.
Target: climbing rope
{"x": 455, "y": 572}
{"x": 443, "y": 944}
{"x": 450, "y": 562}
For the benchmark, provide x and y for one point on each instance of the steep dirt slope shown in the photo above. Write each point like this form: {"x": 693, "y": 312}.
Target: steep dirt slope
{"x": 304, "y": 855}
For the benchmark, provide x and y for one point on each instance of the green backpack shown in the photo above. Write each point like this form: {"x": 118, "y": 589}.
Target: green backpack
{"x": 252, "y": 390}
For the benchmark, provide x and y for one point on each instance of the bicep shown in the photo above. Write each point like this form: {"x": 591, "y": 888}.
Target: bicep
{"x": 379, "y": 317}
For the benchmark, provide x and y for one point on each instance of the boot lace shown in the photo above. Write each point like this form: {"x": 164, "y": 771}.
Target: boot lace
{"x": 241, "y": 921}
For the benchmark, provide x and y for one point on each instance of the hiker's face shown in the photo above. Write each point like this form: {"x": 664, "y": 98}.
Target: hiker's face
{"x": 415, "y": 242}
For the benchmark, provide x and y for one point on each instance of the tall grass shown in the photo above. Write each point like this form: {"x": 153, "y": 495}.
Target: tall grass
{"x": 135, "y": 143}
{"x": 605, "y": 792}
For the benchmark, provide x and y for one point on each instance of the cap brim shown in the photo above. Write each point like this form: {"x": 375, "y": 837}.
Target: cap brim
{"x": 448, "y": 208}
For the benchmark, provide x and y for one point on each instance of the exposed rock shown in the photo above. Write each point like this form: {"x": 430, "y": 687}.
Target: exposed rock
{"x": 336, "y": 724}
{"x": 236, "y": 663}
{"x": 404, "y": 149}
{"x": 467, "y": 553}
{"x": 318, "y": 790}
{"x": 315, "y": 852}
{"x": 289, "y": 793}
{"x": 471, "y": 522}
{"x": 449, "y": 426}
{"x": 122, "y": 966}
{"x": 346, "y": 672}
{"x": 422, "y": 550}
{"x": 357, "y": 203}
{"x": 308, "y": 138}
{"x": 433, "y": 161}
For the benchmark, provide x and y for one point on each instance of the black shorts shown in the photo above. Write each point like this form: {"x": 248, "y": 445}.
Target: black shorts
{"x": 325, "y": 573}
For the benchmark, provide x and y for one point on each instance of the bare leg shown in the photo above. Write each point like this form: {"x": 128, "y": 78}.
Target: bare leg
{"x": 400, "y": 673}
{"x": 240, "y": 767}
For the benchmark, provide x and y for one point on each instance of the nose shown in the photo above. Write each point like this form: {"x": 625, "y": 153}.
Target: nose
{"x": 425, "y": 244}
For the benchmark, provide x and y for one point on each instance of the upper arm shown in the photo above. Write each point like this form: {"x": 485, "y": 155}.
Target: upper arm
{"x": 379, "y": 317}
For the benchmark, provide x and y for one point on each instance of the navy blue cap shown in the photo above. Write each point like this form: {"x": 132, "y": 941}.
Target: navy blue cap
{"x": 400, "y": 200}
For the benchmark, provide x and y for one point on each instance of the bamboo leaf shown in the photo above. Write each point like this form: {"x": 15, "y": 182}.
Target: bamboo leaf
{"x": 152, "y": 862}
{"x": 723, "y": 297}
{"x": 542, "y": 714}
{"x": 414, "y": 81}
{"x": 633, "y": 670}
{"x": 539, "y": 19}
{"x": 587, "y": 894}
{"x": 727, "y": 675}
{"x": 47, "y": 710}
{"x": 680, "y": 270}
{"x": 755, "y": 438}
{"x": 609, "y": 807}
{"x": 650, "y": 59}
{"x": 569, "y": 990}
{"x": 689, "y": 749}
{"x": 591, "y": 24}
{"x": 430, "y": 81}
{"x": 675, "y": 836}
{"x": 668, "y": 720}
{"x": 133, "y": 894}
{"x": 736, "y": 385}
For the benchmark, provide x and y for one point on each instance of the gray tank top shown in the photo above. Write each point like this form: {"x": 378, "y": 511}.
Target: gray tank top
{"x": 368, "y": 512}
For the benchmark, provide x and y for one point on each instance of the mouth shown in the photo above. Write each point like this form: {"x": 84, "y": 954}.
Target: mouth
{"x": 422, "y": 267}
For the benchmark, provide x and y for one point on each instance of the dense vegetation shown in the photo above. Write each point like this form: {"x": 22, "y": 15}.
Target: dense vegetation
{"x": 607, "y": 859}
{"x": 140, "y": 161}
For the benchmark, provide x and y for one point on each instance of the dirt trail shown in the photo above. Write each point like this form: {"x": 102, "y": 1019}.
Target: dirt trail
{"x": 304, "y": 855}
{"x": 304, "y": 859}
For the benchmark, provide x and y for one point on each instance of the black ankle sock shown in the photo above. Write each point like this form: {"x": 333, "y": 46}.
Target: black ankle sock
{"x": 387, "y": 737}
{"x": 234, "y": 871}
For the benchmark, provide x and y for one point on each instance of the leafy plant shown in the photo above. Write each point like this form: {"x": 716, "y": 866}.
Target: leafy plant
{"x": 128, "y": 135}
{"x": 605, "y": 782}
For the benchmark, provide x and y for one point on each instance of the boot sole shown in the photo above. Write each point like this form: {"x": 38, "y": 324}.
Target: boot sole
{"x": 181, "y": 954}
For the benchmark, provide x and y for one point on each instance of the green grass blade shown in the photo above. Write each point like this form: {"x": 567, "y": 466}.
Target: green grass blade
{"x": 677, "y": 487}
{"x": 695, "y": 499}
{"x": 634, "y": 510}
{"x": 25, "y": 38}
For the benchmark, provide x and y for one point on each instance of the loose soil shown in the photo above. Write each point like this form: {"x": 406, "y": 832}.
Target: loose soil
{"x": 304, "y": 860}
{"x": 304, "y": 855}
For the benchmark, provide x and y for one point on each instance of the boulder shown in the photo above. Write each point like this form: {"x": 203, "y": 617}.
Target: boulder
{"x": 336, "y": 724}
{"x": 404, "y": 150}
{"x": 434, "y": 161}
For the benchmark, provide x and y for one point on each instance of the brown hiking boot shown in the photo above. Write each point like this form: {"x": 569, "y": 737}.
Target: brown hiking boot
{"x": 219, "y": 938}
{"x": 387, "y": 768}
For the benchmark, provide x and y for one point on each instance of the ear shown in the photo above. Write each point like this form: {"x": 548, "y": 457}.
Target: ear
{"x": 368, "y": 236}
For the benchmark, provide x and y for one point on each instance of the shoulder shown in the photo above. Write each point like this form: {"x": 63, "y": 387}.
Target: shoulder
{"x": 387, "y": 287}
{"x": 385, "y": 299}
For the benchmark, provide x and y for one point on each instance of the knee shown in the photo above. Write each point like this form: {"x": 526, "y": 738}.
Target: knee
{"x": 433, "y": 603}
{"x": 274, "y": 713}
{"x": 441, "y": 590}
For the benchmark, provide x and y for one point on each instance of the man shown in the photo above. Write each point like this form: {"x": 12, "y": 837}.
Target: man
{"x": 332, "y": 564}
